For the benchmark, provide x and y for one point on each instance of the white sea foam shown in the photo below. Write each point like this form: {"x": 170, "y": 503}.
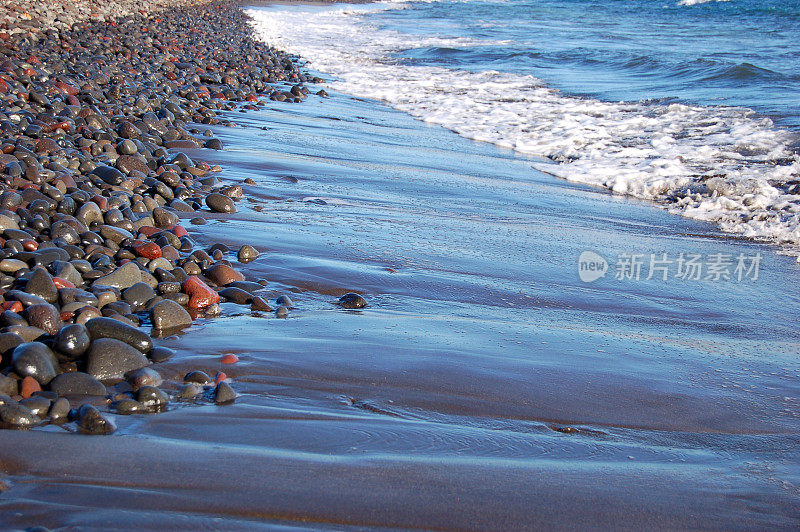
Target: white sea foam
{"x": 720, "y": 164}
{"x": 695, "y": 2}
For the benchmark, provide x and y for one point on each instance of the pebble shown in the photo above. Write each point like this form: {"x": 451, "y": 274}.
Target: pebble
{"x": 77, "y": 383}
{"x": 109, "y": 358}
{"x": 72, "y": 341}
{"x": 224, "y": 394}
{"x": 220, "y": 203}
{"x": 247, "y": 253}
{"x": 169, "y": 316}
{"x": 123, "y": 277}
{"x": 17, "y": 416}
{"x": 35, "y": 360}
{"x": 91, "y": 421}
{"x": 110, "y": 328}
{"x": 352, "y": 301}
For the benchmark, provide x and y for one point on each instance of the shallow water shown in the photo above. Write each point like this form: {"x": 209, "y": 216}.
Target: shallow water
{"x": 485, "y": 387}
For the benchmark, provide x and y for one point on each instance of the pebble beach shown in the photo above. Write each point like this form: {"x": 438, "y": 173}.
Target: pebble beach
{"x": 98, "y": 99}
{"x": 234, "y": 301}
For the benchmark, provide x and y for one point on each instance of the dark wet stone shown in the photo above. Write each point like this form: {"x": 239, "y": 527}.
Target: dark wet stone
{"x": 41, "y": 284}
{"x": 123, "y": 277}
{"x": 44, "y": 316}
{"x": 285, "y": 301}
{"x": 109, "y": 358}
{"x": 26, "y": 332}
{"x": 128, "y": 406}
{"x": 138, "y": 295}
{"x": 17, "y": 416}
{"x": 109, "y": 174}
{"x": 8, "y": 385}
{"x": 260, "y": 304}
{"x": 111, "y": 328}
{"x": 146, "y": 376}
{"x": 164, "y": 218}
{"x": 247, "y": 286}
{"x": 168, "y": 315}
{"x": 36, "y": 360}
{"x": 91, "y": 421}
{"x": 236, "y": 295}
{"x": 224, "y": 394}
{"x": 24, "y": 298}
{"x": 161, "y": 354}
{"x": 77, "y": 383}
{"x": 37, "y": 404}
{"x": 8, "y": 341}
{"x": 220, "y": 203}
{"x": 247, "y": 253}
{"x": 198, "y": 377}
{"x": 213, "y": 144}
{"x": 223, "y": 275}
{"x": 72, "y": 341}
{"x": 189, "y": 391}
{"x": 59, "y": 411}
{"x": 352, "y": 301}
{"x": 152, "y": 397}
{"x": 128, "y": 163}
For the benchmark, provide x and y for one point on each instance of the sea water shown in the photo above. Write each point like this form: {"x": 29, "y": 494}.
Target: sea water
{"x": 693, "y": 104}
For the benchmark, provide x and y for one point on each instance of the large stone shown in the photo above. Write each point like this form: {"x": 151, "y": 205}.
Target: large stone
{"x": 138, "y": 295}
{"x": 72, "y": 341}
{"x": 168, "y": 315}
{"x": 44, "y": 316}
{"x": 77, "y": 383}
{"x": 17, "y": 416}
{"x": 34, "y": 359}
{"x": 41, "y": 284}
{"x": 109, "y": 358}
{"x": 220, "y": 203}
{"x": 123, "y": 277}
{"x": 223, "y": 275}
{"x": 111, "y": 328}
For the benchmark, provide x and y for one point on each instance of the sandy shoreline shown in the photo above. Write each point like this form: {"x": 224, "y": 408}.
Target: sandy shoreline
{"x": 472, "y": 393}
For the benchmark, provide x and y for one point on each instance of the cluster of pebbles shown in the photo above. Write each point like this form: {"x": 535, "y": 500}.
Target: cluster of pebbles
{"x": 94, "y": 262}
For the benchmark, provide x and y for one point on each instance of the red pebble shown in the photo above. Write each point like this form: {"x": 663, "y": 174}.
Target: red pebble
{"x": 148, "y": 230}
{"x": 148, "y": 250}
{"x": 200, "y": 294}
{"x": 29, "y": 244}
{"x": 180, "y": 231}
{"x": 100, "y": 201}
{"x": 28, "y": 386}
{"x": 13, "y": 306}
{"x": 62, "y": 283}
{"x": 230, "y": 358}
{"x": 66, "y": 88}
{"x": 252, "y": 98}
{"x": 67, "y": 316}
{"x": 220, "y": 377}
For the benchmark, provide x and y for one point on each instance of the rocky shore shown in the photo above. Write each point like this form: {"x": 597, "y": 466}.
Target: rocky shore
{"x": 97, "y": 100}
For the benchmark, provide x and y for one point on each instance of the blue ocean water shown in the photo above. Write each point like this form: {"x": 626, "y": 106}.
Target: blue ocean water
{"x": 693, "y": 105}
{"x": 737, "y": 52}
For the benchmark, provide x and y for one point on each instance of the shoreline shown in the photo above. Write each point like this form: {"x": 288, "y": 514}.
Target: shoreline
{"x": 339, "y": 418}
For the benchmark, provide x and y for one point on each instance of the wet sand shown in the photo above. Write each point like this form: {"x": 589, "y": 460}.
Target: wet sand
{"x": 485, "y": 387}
